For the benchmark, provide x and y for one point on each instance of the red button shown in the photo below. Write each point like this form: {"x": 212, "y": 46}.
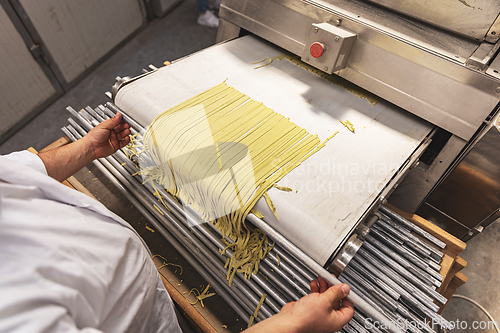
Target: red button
{"x": 317, "y": 49}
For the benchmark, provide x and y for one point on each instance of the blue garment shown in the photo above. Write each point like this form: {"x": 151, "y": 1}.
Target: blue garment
{"x": 202, "y": 6}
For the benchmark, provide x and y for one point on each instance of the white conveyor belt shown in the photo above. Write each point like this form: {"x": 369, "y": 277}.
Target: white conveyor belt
{"x": 336, "y": 185}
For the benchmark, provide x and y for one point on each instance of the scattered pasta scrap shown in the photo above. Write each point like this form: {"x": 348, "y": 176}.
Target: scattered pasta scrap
{"x": 280, "y": 57}
{"x": 334, "y": 79}
{"x": 256, "y": 313}
{"x": 270, "y": 204}
{"x": 348, "y": 125}
{"x": 160, "y": 256}
{"x": 283, "y": 188}
{"x": 158, "y": 209}
{"x": 150, "y": 229}
{"x": 166, "y": 263}
{"x": 224, "y": 326}
{"x": 278, "y": 258}
{"x": 256, "y": 213}
{"x": 201, "y": 296}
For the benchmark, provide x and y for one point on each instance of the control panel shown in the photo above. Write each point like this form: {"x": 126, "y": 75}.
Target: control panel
{"x": 328, "y": 47}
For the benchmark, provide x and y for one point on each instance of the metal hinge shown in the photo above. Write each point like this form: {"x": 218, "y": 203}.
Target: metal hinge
{"x": 37, "y": 53}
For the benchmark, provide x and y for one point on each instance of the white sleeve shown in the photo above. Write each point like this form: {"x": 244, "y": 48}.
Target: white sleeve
{"x": 25, "y": 157}
{"x": 39, "y": 318}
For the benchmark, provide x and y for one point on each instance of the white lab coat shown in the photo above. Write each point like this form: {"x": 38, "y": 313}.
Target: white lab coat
{"x": 67, "y": 264}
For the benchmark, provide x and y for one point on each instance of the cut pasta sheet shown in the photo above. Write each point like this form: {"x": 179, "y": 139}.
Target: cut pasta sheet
{"x": 218, "y": 153}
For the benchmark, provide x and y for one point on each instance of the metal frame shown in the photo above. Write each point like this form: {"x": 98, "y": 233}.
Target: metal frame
{"x": 385, "y": 61}
{"x": 438, "y": 211}
{"x": 421, "y": 180}
{"x": 449, "y": 80}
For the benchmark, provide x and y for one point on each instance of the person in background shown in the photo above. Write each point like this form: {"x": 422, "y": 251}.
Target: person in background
{"x": 205, "y": 15}
{"x": 68, "y": 264}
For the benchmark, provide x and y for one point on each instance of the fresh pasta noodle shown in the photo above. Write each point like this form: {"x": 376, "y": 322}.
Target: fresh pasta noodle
{"x": 218, "y": 153}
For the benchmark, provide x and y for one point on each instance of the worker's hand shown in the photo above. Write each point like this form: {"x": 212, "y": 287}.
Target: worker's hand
{"x": 321, "y": 311}
{"x": 109, "y": 136}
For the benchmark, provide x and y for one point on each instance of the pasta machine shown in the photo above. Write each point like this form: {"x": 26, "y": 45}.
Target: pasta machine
{"x": 420, "y": 84}
{"x": 437, "y": 60}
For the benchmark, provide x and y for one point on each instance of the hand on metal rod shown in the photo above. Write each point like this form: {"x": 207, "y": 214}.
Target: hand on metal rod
{"x": 101, "y": 141}
{"x": 109, "y": 136}
{"x": 324, "y": 310}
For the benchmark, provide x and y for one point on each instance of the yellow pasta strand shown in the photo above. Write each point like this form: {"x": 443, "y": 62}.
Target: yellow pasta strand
{"x": 256, "y": 313}
{"x": 218, "y": 153}
{"x": 348, "y": 125}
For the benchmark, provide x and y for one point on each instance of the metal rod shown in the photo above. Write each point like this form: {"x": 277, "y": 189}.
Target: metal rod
{"x": 397, "y": 317}
{"x": 205, "y": 229}
{"x": 267, "y": 261}
{"x": 405, "y": 295}
{"x": 294, "y": 263}
{"x": 405, "y": 252}
{"x": 362, "y": 319}
{"x": 357, "y": 326}
{"x": 400, "y": 270}
{"x": 287, "y": 267}
{"x": 111, "y": 114}
{"x": 94, "y": 114}
{"x": 413, "y": 227}
{"x": 406, "y": 240}
{"x": 398, "y": 279}
{"x": 374, "y": 279}
{"x": 374, "y": 302}
{"x": 437, "y": 254}
{"x": 319, "y": 270}
{"x": 129, "y": 120}
{"x": 424, "y": 276}
{"x": 391, "y": 303}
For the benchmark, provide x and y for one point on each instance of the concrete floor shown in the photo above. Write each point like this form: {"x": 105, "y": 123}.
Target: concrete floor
{"x": 483, "y": 270}
{"x": 172, "y": 37}
{"x": 177, "y": 35}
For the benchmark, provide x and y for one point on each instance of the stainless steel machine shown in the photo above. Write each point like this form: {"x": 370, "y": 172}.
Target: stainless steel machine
{"x": 437, "y": 60}
{"x": 419, "y": 82}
